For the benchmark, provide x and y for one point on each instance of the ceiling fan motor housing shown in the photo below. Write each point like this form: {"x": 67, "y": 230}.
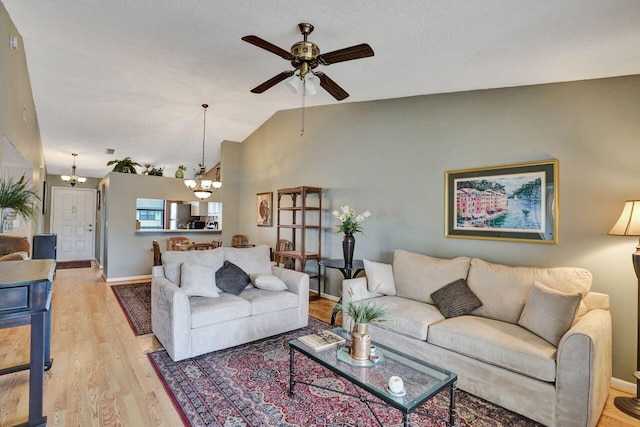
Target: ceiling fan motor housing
{"x": 304, "y": 51}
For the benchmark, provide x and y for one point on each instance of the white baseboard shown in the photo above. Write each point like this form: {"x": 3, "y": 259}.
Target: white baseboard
{"x": 330, "y": 297}
{"x": 622, "y": 385}
{"x": 128, "y": 279}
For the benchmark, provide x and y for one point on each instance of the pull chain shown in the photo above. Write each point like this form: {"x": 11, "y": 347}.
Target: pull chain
{"x": 302, "y": 111}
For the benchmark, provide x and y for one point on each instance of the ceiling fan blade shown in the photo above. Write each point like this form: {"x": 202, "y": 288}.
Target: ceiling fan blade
{"x": 347, "y": 54}
{"x": 257, "y": 41}
{"x": 332, "y": 87}
{"x": 272, "y": 82}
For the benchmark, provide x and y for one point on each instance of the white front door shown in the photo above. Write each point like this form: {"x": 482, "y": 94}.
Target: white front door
{"x": 73, "y": 217}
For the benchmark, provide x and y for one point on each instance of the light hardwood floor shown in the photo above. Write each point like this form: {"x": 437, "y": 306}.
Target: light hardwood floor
{"x": 101, "y": 375}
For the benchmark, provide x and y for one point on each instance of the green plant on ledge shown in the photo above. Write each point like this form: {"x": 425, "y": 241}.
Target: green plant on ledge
{"x": 363, "y": 312}
{"x": 16, "y": 194}
{"x": 125, "y": 165}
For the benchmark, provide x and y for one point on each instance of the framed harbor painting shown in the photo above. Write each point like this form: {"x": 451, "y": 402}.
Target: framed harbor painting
{"x": 514, "y": 203}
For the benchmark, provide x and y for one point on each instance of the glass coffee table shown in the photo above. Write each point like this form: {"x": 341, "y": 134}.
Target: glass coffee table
{"x": 422, "y": 380}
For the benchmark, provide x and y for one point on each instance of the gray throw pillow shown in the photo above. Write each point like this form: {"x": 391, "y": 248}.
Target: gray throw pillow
{"x": 456, "y": 299}
{"x": 549, "y": 313}
{"x": 232, "y": 279}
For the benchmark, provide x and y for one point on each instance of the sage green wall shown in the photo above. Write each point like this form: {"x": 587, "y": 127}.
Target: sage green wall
{"x": 390, "y": 157}
{"x": 16, "y": 96}
{"x": 127, "y": 253}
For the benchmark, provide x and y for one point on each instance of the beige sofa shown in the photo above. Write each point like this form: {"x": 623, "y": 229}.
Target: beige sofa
{"x": 189, "y": 325}
{"x": 494, "y": 356}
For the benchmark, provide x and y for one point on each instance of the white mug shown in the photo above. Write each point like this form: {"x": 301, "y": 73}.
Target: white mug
{"x": 396, "y": 385}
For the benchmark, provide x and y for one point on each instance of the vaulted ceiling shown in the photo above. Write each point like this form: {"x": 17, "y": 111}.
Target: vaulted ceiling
{"x": 131, "y": 75}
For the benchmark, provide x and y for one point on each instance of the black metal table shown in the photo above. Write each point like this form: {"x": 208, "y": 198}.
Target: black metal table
{"x": 25, "y": 298}
{"x": 347, "y": 272}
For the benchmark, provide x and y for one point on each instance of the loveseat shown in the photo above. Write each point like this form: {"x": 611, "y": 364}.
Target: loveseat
{"x": 539, "y": 344}
{"x": 203, "y": 301}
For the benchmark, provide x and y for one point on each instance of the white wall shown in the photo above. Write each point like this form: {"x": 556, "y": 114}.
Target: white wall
{"x": 391, "y": 156}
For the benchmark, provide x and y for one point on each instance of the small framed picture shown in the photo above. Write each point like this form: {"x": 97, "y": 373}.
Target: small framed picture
{"x": 513, "y": 203}
{"x": 264, "y": 205}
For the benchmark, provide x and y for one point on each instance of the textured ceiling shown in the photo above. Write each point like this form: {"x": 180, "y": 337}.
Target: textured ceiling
{"x": 131, "y": 75}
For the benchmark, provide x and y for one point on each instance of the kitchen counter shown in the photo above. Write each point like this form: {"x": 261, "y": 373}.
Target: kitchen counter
{"x": 181, "y": 231}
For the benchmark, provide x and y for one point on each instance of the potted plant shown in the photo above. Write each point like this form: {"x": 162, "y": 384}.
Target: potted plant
{"x": 349, "y": 224}
{"x": 180, "y": 172}
{"x": 125, "y": 165}
{"x": 362, "y": 313}
{"x": 16, "y": 194}
{"x": 156, "y": 171}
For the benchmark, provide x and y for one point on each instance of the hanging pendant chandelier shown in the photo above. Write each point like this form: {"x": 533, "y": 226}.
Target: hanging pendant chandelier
{"x": 73, "y": 179}
{"x": 201, "y": 186}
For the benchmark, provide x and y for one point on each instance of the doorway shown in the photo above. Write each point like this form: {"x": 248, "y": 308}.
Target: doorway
{"x": 73, "y": 213}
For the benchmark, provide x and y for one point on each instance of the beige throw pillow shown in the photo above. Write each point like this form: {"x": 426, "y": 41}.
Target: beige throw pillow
{"x": 267, "y": 282}
{"x": 250, "y": 260}
{"x": 417, "y": 276}
{"x": 380, "y": 277}
{"x": 549, "y": 313}
{"x": 197, "y": 281}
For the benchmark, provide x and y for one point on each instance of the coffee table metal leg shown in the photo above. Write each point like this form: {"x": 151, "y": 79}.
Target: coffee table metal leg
{"x": 406, "y": 420}
{"x": 452, "y": 404}
{"x": 291, "y": 370}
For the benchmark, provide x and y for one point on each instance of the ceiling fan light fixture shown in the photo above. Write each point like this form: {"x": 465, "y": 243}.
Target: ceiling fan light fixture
{"x": 311, "y": 84}
{"x": 293, "y": 83}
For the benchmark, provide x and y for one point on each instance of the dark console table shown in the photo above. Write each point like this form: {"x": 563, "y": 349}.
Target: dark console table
{"x": 25, "y": 298}
{"x": 347, "y": 272}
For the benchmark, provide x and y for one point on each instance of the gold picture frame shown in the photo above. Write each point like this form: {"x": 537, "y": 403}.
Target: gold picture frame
{"x": 516, "y": 203}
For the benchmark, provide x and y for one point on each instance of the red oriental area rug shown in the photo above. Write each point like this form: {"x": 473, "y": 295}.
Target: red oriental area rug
{"x": 135, "y": 301}
{"x": 248, "y": 385}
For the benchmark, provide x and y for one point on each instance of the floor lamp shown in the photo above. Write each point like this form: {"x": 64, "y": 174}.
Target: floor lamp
{"x": 629, "y": 225}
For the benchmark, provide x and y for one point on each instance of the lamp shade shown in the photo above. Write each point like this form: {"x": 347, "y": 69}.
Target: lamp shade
{"x": 629, "y": 222}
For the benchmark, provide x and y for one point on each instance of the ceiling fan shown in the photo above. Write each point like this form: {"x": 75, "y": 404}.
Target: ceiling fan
{"x": 305, "y": 57}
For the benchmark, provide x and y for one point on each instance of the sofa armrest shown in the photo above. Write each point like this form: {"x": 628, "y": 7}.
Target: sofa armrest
{"x": 297, "y": 283}
{"x": 583, "y": 375}
{"x": 356, "y": 290}
{"x": 170, "y": 316}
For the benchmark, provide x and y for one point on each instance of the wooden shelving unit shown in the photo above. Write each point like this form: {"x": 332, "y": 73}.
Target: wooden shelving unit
{"x": 300, "y": 221}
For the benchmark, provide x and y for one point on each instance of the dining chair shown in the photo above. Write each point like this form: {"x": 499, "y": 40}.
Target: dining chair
{"x": 173, "y": 242}
{"x": 217, "y": 243}
{"x": 200, "y": 247}
{"x": 239, "y": 240}
{"x": 157, "y": 256}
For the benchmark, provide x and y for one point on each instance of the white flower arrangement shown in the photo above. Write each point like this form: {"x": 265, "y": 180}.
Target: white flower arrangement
{"x": 349, "y": 219}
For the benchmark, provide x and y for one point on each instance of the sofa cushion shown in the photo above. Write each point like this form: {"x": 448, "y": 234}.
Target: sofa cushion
{"x": 263, "y": 301}
{"x": 232, "y": 279}
{"x": 408, "y": 317}
{"x": 417, "y": 276}
{"x": 549, "y": 313}
{"x": 197, "y": 281}
{"x": 209, "y": 311}
{"x": 268, "y": 282}
{"x": 379, "y": 277}
{"x": 251, "y": 260}
{"x": 456, "y": 299}
{"x": 498, "y": 343}
{"x": 173, "y": 260}
{"x": 503, "y": 290}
